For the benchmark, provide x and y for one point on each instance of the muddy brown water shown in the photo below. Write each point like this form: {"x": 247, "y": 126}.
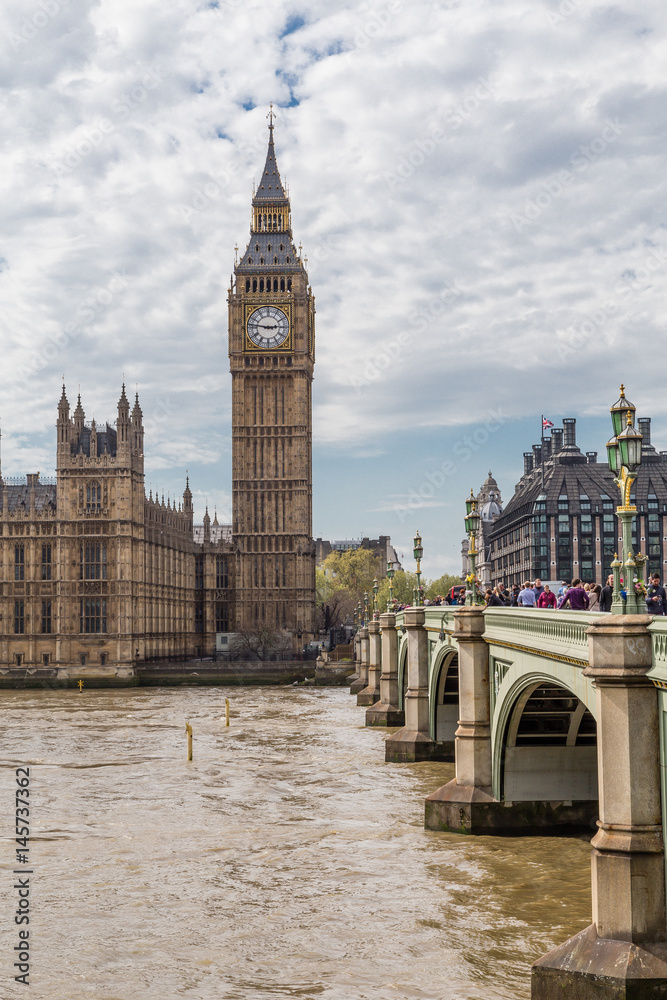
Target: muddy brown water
{"x": 286, "y": 860}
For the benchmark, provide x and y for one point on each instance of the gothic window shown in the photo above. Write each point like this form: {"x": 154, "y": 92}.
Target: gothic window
{"x": 281, "y": 247}
{"x": 261, "y": 284}
{"x": 221, "y": 575}
{"x": 199, "y": 572}
{"x": 93, "y": 615}
{"x": 19, "y": 562}
{"x": 261, "y": 260}
{"x": 287, "y": 260}
{"x": 257, "y": 247}
{"x": 247, "y": 284}
{"x": 275, "y": 260}
{"x": 254, "y": 284}
{"x": 46, "y": 617}
{"x": 93, "y": 565}
{"x": 19, "y": 617}
{"x": 222, "y": 618}
{"x": 199, "y": 617}
{"x": 250, "y": 260}
{"x": 268, "y": 247}
{"x": 275, "y": 284}
{"x": 289, "y": 282}
{"x": 46, "y": 561}
{"x": 282, "y": 284}
{"x": 93, "y": 496}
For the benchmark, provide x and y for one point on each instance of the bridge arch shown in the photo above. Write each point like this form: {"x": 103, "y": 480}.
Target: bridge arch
{"x": 443, "y": 697}
{"x": 545, "y": 743}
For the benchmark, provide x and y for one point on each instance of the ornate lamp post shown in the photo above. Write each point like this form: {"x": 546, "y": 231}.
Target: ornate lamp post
{"x": 360, "y": 615}
{"x": 375, "y": 598}
{"x": 624, "y": 453}
{"x": 472, "y": 521}
{"x": 390, "y": 577}
{"x": 365, "y": 609}
{"x": 418, "y": 552}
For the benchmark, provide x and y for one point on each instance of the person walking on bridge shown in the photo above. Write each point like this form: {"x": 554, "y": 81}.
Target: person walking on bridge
{"x": 656, "y": 597}
{"x": 576, "y": 597}
{"x": 547, "y": 598}
{"x": 607, "y": 593}
{"x": 527, "y": 597}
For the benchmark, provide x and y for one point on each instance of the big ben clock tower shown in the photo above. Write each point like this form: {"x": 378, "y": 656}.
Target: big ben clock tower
{"x": 271, "y": 356}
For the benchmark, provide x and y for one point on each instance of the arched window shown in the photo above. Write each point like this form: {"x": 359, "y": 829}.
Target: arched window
{"x": 250, "y": 260}
{"x": 289, "y": 284}
{"x": 247, "y": 284}
{"x": 254, "y": 284}
{"x": 282, "y": 284}
{"x": 93, "y": 496}
{"x": 261, "y": 260}
{"x": 275, "y": 260}
{"x": 275, "y": 284}
{"x": 281, "y": 247}
{"x": 261, "y": 284}
{"x": 268, "y": 247}
{"x": 257, "y": 247}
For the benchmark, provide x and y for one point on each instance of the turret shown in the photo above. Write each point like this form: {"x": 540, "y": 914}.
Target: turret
{"x": 137, "y": 427}
{"x": 123, "y": 425}
{"x": 93, "y": 439}
{"x": 207, "y": 526}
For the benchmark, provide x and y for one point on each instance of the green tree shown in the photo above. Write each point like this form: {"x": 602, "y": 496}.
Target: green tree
{"x": 341, "y": 581}
{"x": 441, "y": 586}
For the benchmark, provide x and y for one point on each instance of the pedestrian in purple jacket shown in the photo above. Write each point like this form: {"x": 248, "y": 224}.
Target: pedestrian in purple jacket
{"x": 576, "y": 597}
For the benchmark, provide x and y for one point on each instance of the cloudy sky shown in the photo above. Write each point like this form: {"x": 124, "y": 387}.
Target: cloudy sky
{"x": 478, "y": 187}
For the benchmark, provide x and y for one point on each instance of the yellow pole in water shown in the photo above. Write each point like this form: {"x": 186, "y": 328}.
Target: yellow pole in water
{"x": 80, "y": 686}
{"x": 226, "y": 711}
{"x": 188, "y": 729}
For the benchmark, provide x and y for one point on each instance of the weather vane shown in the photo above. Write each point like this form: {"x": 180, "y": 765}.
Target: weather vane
{"x": 271, "y": 115}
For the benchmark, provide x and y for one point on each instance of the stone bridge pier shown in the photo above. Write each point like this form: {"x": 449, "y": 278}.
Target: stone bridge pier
{"x": 622, "y": 955}
{"x": 360, "y": 680}
{"x": 386, "y": 712}
{"x": 371, "y": 693}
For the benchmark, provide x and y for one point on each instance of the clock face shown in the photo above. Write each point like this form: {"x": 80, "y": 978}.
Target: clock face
{"x": 268, "y": 327}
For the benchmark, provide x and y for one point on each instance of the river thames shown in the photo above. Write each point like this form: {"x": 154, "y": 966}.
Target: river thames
{"x": 286, "y": 860}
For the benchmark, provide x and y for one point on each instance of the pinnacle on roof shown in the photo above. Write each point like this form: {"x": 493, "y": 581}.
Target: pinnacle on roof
{"x": 270, "y": 187}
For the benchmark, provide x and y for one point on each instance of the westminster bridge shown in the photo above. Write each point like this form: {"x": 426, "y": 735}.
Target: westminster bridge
{"x": 557, "y": 723}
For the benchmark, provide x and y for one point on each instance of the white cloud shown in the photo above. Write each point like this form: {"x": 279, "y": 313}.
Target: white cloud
{"x": 417, "y": 140}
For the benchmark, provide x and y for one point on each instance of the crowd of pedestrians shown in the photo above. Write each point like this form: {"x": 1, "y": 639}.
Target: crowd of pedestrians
{"x": 576, "y": 596}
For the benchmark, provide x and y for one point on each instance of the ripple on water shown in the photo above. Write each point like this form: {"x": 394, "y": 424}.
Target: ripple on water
{"x": 287, "y": 859}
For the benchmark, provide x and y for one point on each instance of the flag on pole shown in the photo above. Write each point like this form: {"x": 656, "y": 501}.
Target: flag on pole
{"x": 547, "y": 423}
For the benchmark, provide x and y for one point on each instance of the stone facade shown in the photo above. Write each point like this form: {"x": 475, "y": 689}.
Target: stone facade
{"x": 97, "y": 576}
{"x": 271, "y": 356}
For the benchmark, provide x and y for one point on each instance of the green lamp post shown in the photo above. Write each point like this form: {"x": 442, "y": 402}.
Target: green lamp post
{"x": 390, "y": 577}
{"x": 375, "y": 599}
{"x": 365, "y": 609}
{"x": 360, "y": 615}
{"x": 418, "y": 552}
{"x": 624, "y": 454}
{"x": 472, "y": 522}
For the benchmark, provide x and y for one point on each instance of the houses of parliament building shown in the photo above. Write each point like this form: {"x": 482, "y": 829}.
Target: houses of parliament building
{"x": 98, "y": 576}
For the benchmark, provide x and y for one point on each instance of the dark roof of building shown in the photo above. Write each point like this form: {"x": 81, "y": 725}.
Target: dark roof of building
{"x": 259, "y": 258}
{"x": 106, "y": 442}
{"x": 270, "y": 187}
{"x": 18, "y": 497}
{"x": 590, "y": 481}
